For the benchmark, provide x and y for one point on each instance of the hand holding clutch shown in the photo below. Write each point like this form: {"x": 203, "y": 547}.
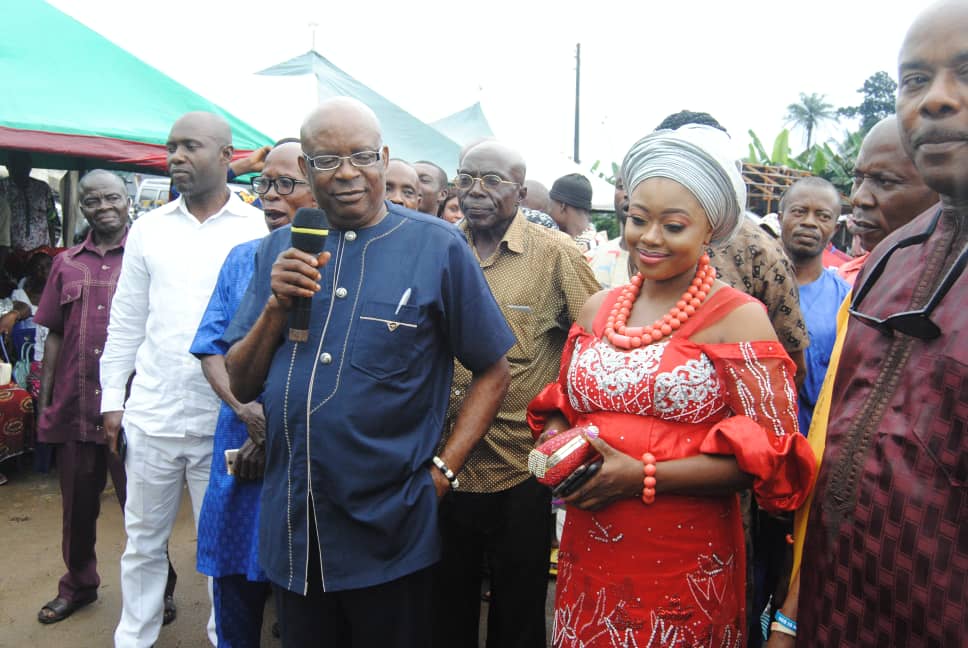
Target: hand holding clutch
{"x": 558, "y": 457}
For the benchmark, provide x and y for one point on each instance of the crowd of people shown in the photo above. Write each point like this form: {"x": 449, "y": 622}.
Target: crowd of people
{"x": 777, "y": 446}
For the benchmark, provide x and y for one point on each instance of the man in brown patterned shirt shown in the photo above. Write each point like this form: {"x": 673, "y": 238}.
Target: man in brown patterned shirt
{"x": 540, "y": 281}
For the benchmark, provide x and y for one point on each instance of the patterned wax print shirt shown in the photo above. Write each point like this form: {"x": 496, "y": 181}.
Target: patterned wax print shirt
{"x": 33, "y": 215}
{"x": 538, "y": 217}
{"x": 755, "y": 263}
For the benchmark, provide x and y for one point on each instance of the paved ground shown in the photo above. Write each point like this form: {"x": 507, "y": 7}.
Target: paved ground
{"x": 31, "y": 564}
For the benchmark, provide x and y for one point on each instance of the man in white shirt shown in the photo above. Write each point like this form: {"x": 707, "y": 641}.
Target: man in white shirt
{"x": 171, "y": 262}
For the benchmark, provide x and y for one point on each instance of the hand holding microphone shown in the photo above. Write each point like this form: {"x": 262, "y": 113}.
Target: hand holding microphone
{"x": 295, "y": 274}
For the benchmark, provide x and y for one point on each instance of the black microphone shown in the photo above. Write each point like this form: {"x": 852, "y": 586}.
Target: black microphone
{"x": 309, "y": 232}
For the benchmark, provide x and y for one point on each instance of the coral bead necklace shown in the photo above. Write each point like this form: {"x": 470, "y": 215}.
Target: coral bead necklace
{"x": 632, "y": 337}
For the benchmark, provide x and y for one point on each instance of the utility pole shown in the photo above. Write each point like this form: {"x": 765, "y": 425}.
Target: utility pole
{"x": 312, "y": 27}
{"x": 577, "y": 89}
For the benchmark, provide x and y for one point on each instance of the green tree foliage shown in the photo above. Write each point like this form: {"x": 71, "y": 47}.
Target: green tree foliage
{"x": 879, "y": 93}
{"x": 809, "y": 113}
{"x": 596, "y": 170}
{"x": 605, "y": 221}
{"x": 833, "y": 161}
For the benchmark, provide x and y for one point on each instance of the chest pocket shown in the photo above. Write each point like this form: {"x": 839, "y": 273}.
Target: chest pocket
{"x": 386, "y": 341}
{"x": 71, "y": 293}
{"x": 523, "y": 323}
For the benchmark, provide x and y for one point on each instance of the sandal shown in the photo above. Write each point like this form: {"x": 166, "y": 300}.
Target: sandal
{"x": 171, "y": 610}
{"x": 59, "y": 608}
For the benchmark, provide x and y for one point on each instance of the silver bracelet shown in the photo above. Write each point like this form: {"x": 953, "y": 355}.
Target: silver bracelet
{"x": 447, "y": 472}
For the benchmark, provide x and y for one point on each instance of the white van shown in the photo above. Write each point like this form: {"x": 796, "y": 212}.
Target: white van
{"x": 152, "y": 192}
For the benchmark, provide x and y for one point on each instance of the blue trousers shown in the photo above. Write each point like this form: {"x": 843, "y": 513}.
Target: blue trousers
{"x": 239, "y": 603}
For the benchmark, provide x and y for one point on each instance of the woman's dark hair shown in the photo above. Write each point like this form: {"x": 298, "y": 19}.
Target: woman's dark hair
{"x": 451, "y": 193}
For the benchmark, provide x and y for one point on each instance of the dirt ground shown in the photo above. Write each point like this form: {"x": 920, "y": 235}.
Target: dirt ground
{"x": 31, "y": 565}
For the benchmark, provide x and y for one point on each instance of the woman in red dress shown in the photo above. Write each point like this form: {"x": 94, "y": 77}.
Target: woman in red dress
{"x": 694, "y": 400}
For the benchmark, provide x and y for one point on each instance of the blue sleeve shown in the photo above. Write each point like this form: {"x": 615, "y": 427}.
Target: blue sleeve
{"x": 257, "y": 294}
{"x": 208, "y": 338}
{"x": 477, "y": 332}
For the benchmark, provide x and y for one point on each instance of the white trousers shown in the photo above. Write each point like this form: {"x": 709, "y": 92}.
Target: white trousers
{"x": 157, "y": 468}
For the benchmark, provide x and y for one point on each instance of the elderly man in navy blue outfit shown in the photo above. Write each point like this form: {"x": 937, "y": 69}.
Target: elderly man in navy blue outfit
{"x": 354, "y": 414}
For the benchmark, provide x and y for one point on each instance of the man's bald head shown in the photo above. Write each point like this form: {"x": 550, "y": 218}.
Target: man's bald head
{"x": 199, "y": 151}
{"x": 352, "y": 195}
{"x": 537, "y": 197}
{"x": 471, "y": 144}
{"x": 103, "y": 200}
{"x": 211, "y": 124}
{"x": 100, "y": 176}
{"x": 491, "y": 207}
{"x": 888, "y": 191}
{"x": 507, "y": 155}
{"x": 340, "y": 115}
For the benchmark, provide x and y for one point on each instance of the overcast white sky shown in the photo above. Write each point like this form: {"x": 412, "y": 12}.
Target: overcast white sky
{"x": 742, "y": 61}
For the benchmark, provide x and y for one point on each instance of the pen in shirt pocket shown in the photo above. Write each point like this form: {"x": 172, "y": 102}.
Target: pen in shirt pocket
{"x": 404, "y": 300}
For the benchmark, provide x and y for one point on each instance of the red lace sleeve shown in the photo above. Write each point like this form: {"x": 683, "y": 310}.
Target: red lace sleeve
{"x": 553, "y": 399}
{"x": 762, "y": 433}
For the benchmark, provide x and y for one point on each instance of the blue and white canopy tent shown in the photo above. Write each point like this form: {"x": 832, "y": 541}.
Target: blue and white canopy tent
{"x": 408, "y": 137}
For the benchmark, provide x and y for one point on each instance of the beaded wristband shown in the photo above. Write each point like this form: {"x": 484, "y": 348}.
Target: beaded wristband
{"x": 648, "y": 482}
{"x": 447, "y": 472}
{"x": 786, "y": 622}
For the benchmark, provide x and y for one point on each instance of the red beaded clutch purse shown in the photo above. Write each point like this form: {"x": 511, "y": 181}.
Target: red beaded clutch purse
{"x": 559, "y": 456}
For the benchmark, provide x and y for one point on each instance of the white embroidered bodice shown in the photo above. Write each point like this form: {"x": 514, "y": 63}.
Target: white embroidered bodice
{"x": 602, "y": 378}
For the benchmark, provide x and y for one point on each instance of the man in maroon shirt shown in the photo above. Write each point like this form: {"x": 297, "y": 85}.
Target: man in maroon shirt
{"x": 75, "y": 307}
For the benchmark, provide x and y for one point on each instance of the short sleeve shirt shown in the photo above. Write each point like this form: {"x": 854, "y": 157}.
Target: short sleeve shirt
{"x": 540, "y": 281}
{"x": 821, "y": 300}
{"x": 354, "y": 414}
{"x": 75, "y": 304}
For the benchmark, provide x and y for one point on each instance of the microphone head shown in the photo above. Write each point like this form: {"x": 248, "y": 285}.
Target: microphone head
{"x": 310, "y": 227}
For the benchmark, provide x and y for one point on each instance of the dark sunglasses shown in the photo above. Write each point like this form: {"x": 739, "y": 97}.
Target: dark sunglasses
{"x": 916, "y": 323}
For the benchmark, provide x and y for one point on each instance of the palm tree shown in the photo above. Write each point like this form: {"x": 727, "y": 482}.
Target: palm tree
{"x": 810, "y": 112}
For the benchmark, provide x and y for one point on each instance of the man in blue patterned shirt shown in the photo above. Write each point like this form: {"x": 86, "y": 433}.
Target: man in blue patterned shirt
{"x": 228, "y": 524}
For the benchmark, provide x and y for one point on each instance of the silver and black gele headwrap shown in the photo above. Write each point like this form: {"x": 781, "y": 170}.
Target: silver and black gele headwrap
{"x": 699, "y": 158}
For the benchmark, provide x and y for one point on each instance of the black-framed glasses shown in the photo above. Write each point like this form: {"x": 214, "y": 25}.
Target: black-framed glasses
{"x": 465, "y": 181}
{"x": 284, "y": 185}
{"x": 916, "y": 323}
{"x": 332, "y": 162}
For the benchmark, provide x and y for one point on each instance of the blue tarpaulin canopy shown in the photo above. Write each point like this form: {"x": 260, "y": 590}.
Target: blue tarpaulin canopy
{"x": 408, "y": 137}
{"x": 465, "y": 126}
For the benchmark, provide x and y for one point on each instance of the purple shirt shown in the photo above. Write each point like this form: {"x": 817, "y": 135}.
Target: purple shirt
{"x": 76, "y": 304}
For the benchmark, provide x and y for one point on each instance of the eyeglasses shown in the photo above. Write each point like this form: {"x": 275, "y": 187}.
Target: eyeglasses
{"x": 465, "y": 181}
{"x": 332, "y": 162}
{"x": 916, "y": 323}
{"x": 284, "y": 185}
